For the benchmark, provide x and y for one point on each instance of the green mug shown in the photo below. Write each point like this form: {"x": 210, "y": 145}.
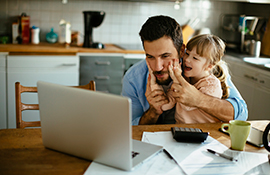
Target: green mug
{"x": 239, "y": 131}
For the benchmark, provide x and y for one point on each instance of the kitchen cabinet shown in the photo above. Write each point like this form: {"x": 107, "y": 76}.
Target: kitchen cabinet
{"x": 3, "y": 110}
{"x": 131, "y": 59}
{"x": 254, "y": 85}
{"x": 30, "y": 69}
{"x": 261, "y": 104}
{"x": 246, "y": 89}
{"x": 261, "y": 99}
{"x": 105, "y": 69}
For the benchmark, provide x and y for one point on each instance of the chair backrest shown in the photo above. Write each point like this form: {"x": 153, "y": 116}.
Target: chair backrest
{"x": 19, "y": 89}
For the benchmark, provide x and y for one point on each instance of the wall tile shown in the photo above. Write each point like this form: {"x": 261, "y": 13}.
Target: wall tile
{"x": 13, "y": 4}
{"x": 45, "y": 5}
{"x": 123, "y": 19}
{"x": 24, "y": 5}
{"x": 34, "y": 5}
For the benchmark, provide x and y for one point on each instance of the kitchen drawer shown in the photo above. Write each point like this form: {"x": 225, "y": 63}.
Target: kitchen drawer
{"x": 264, "y": 80}
{"x": 131, "y": 59}
{"x": 2, "y": 61}
{"x": 101, "y": 62}
{"x": 30, "y": 69}
{"x": 99, "y": 67}
{"x": 3, "y": 100}
{"x": 101, "y": 80}
{"x": 130, "y": 62}
{"x": 42, "y": 61}
{"x": 246, "y": 72}
{"x": 105, "y": 70}
{"x": 112, "y": 88}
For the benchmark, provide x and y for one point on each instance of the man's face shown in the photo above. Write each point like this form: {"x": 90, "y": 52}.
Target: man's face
{"x": 158, "y": 54}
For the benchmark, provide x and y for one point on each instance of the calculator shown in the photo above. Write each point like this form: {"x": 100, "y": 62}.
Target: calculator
{"x": 193, "y": 135}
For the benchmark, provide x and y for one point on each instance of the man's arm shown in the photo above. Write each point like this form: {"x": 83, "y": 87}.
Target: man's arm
{"x": 219, "y": 108}
{"x": 239, "y": 104}
{"x": 190, "y": 96}
{"x": 149, "y": 117}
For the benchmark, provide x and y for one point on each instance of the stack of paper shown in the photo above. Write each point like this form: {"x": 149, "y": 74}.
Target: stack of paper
{"x": 193, "y": 158}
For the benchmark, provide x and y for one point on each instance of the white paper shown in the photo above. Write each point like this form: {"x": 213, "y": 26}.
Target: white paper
{"x": 158, "y": 165}
{"x": 193, "y": 158}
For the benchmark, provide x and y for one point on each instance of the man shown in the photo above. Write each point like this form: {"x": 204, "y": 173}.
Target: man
{"x": 162, "y": 41}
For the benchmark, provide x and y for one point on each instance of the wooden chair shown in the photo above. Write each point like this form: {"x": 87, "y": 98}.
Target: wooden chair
{"x": 19, "y": 89}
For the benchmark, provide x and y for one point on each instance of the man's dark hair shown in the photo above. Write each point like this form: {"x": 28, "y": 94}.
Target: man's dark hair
{"x": 158, "y": 26}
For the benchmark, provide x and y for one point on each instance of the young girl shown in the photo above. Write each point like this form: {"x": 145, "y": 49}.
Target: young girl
{"x": 204, "y": 69}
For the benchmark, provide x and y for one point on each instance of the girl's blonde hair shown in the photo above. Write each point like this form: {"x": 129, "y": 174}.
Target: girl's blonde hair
{"x": 212, "y": 48}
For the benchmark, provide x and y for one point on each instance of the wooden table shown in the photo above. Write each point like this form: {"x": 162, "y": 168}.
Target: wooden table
{"x": 22, "y": 151}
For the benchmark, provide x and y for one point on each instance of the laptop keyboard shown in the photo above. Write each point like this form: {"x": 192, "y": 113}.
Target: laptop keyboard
{"x": 134, "y": 154}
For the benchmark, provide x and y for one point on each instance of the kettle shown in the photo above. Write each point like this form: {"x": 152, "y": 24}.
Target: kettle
{"x": 266, "y": 138}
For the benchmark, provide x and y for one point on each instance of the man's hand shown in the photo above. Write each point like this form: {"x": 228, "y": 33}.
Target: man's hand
{"x": 156, "y": 99}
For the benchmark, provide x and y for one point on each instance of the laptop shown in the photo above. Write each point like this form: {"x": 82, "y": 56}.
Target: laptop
{"x": 91, "y": 125}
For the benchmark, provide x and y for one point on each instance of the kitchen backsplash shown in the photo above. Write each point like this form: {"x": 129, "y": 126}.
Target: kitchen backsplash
{"x": 123, "y": 19}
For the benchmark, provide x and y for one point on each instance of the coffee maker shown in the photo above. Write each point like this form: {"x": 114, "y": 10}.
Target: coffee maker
{"x": 92, "y": 19}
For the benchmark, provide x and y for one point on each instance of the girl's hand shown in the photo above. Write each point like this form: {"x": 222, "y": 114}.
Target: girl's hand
{"x": 183, "y": 91}
{"x": 174, "y": 65}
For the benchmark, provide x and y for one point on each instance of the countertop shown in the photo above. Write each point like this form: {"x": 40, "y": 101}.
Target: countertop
{"x": 60, "y": 49}
{"x": 239, "y": 57}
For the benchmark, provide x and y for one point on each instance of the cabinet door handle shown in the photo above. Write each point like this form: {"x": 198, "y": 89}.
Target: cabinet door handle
{"x": 103, "y": 63}
{"x": 247, "y": 76}
{"x": 250, "y": 77}
{"x": 102, "y": 77}
{"x": 69, "y": 64}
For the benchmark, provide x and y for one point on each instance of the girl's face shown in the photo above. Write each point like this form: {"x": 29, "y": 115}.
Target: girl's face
{"x": 195, "y": 66}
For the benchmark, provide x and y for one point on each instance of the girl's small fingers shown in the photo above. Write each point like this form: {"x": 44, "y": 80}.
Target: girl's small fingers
{"x": 175, "y": 63}
{"x": 172, "y": 74}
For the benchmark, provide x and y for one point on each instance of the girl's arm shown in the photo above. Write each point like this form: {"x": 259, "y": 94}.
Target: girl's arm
{"x": 188, "y": 95}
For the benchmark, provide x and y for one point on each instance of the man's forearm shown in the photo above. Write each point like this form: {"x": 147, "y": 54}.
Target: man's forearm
{"x": 219, "y": 108}
{"x": 149, "y": 117}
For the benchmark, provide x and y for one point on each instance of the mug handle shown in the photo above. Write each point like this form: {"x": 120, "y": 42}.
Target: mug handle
{"x": 223, "y": 127}
{"x": 265, "y": 137}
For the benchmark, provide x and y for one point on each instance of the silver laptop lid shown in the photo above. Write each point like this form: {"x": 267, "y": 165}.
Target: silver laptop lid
{"x": 87, "y": 124}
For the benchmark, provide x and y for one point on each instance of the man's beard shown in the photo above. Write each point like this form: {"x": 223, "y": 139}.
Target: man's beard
{"x": 163, "y": 82}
